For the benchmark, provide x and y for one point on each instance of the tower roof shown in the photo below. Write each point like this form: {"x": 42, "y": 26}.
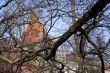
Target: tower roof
{"x": 35, "y": 31}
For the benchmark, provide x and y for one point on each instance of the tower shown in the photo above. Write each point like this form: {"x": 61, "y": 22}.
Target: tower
{"x": 35, "y": 31}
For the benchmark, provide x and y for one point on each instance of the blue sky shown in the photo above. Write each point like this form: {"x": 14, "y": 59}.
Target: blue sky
{"x": 61, "y": 25}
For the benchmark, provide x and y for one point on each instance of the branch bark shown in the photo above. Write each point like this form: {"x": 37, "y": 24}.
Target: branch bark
{"x": 6, "y": 4}
{"x": 86, "y": 17}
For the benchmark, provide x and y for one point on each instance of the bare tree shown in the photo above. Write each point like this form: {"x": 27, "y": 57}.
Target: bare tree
{"x": 15, "y": 21}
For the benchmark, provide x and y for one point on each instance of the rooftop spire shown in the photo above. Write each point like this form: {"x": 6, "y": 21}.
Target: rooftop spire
{"x": 34, "y": 19}
{"x": 35, "y": 31}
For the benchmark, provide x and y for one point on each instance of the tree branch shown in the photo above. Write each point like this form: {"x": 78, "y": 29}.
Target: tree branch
{"x": 86, "y": 17}
{"x": 6, "y": 4}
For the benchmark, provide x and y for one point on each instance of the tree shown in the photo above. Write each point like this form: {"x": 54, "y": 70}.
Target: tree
{"x": 14, "y": 20}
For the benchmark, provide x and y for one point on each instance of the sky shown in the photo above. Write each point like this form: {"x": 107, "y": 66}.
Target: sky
{"x": 63, "y": 24}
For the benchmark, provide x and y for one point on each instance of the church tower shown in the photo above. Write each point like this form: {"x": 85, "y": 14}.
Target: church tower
{"x": 35, "y": 31}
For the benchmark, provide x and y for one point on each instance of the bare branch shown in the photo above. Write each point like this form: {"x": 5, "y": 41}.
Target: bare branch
{"x": 6, "y": 4}
{"x": 86, "y": 17}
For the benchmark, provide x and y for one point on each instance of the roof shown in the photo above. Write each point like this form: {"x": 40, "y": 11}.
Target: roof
{"x": 35, "y": 31}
